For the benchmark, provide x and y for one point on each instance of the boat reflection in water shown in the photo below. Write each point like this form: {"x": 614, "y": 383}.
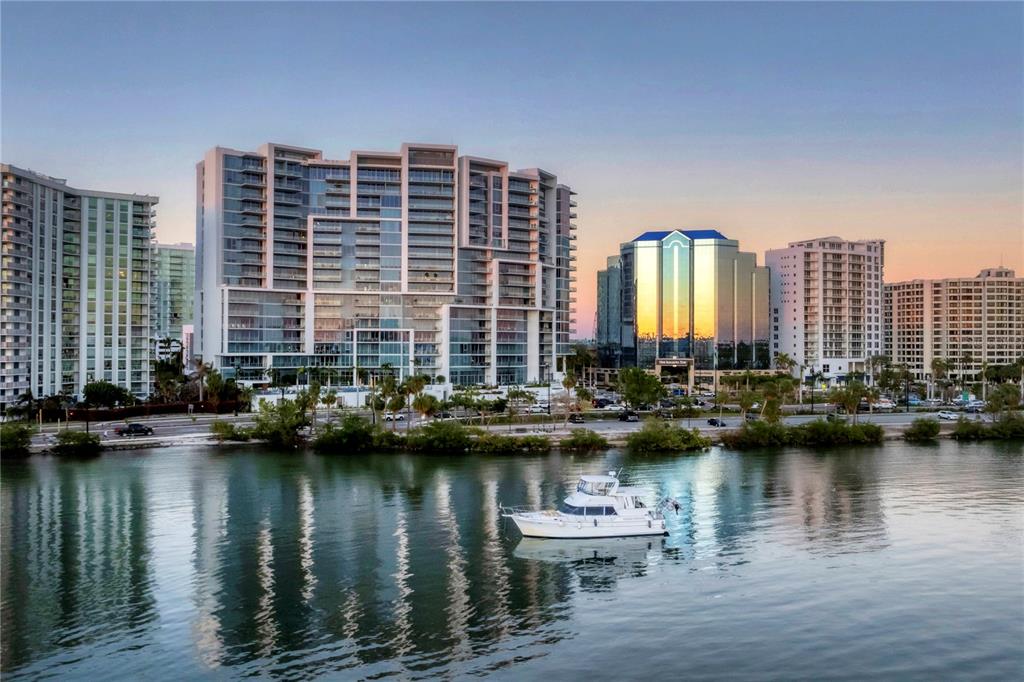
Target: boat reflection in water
{"x": 599, "y": 563}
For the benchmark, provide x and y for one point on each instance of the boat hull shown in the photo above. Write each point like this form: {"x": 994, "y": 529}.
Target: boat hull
{"x": 586, "y": 528}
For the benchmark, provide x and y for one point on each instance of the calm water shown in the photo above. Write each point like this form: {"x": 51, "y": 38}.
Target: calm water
{"x": 900, "y": 562}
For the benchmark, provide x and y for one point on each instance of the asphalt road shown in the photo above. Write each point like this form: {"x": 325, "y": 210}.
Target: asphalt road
{"x": 184, "y": 428}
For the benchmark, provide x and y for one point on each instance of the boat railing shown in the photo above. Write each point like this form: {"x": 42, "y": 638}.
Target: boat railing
{"x": 517, "y": 509}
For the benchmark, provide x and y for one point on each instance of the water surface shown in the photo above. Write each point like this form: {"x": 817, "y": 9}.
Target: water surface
{"x": 902, "y": 562}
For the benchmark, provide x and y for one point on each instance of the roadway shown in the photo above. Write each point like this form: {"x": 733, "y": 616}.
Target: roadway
{"x": 180, "y": 428}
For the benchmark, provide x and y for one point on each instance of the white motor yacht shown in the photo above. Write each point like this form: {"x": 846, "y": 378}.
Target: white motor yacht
{"x": 599, "y": 508}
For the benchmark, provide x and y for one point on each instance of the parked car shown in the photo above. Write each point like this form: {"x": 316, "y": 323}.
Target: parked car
{"x": 576, "y": 418}
{"x": 537, "y": 409}
{"x": 134, "y": 429}
{"x": 932, "y": 402}
{"x": 716, "y": 422}
{"x": 948, "y": 415}
{"x": 392, "y": 417}
{"x": 444, "y": 415}
{"x": 613, "y": 407}
{"x": 629, "y": 417}
{"x": 975, "y": 406}
{"x": 601, "y": 403}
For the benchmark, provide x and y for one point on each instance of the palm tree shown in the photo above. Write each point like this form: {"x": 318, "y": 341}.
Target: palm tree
{"x": 815, "y": 377}
{"x": 568, "y": 383}
{"x": 425, "y": 404}
{"x": 747, "y": 400}
{"x": 515, "y": 396}
{"x": 876, "y": 362}
{"x": 784, "y": 362}
{"x": 872, "y": 395}
{"x": 769, "y": 391}
{"x": 965, "y": 359}
{"x": 202, "y": 369}
{"x": 940, "y": 368}
{"x": 329, "y": 399}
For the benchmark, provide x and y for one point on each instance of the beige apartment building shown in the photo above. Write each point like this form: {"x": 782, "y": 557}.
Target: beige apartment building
{"x": 966, "y": 321}
{"x": 826, "y": 304}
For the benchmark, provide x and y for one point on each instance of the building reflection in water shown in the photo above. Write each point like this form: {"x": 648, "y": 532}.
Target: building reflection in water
{"x": 383, "y": 563}
{"x": 76, "y": 569}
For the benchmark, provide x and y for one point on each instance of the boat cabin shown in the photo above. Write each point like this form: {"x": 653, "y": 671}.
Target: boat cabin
{"x": 602, "y": 496}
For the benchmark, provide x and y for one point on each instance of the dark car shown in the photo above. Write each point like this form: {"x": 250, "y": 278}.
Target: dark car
{"x": 602, "y": 402}
{"x": 629, "y": 417}
{"x": 715, "y": 421}
{"x": 833, "y": 417}
{"x": 752, "y": 417}
{"x": 576, "y": 418}
{"x": 133, "y": 430}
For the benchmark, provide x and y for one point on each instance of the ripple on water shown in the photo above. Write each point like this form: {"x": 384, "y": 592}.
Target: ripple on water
{"x": 897, "y": 562}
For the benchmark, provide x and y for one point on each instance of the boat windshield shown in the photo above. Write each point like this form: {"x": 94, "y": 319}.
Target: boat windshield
{"x": 594, "y": 488}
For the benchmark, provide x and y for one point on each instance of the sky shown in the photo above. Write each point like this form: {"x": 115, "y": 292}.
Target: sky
{"x": 768, "y": 122}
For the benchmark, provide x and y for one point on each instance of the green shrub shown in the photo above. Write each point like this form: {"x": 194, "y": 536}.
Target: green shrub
{"x": 352, "y": 435}
{"x": 77, "y": 444}
{"x": 280, "y": 424}
{"x": 383, "y": 439}
{"x": 496, "y": 444}
{"x": 15, "y": 438}
{"x": 1008, "y": 426}
{"x": 922, "y": 430}
{"x": 966, "y": 429}
{"x": 815, "y": 433}
{"x": 659, "y": 436}
{"x": 223, "y": 430}
{"x": 759, "y": 435}
{"x": 440, "y": 436}
{"x": 584, "y": 440}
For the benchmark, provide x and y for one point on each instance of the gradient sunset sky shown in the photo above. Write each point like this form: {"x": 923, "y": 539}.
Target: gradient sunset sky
{"x": 769, "y": 122}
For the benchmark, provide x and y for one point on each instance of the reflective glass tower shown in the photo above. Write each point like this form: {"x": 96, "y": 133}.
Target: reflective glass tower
{"x": 693, "y": 294}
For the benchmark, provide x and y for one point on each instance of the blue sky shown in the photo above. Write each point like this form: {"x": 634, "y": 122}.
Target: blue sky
{"x": 771, "y": 122}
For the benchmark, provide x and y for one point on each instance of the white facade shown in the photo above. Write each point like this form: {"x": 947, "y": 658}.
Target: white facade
{"x": 454, "y": 267}
{"x": 76, "y": 270}
{"x": 963, "y": 320}
{"x": 826, "y": 304}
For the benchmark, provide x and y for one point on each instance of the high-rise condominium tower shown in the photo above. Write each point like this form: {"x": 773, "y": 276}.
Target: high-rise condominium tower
{"x": 964, "y": 321}
{"x": 827, "y": 304}
{"x": 608, "y": 326}
{"x": 431, "y": 263}
{"x": 76, "y": 268}
{"x": 174, "y": 287}
{"x": 693, "y": 294}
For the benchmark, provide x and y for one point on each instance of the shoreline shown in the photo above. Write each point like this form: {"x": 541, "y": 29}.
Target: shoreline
{"x": 616, "y": 439}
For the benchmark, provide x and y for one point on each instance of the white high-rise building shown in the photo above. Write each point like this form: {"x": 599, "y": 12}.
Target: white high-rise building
{"x": 76, "y": 269}
{"x": 459, "y": 268}
{"x": 826, "y": 304}
{"x": 965, "y": 321}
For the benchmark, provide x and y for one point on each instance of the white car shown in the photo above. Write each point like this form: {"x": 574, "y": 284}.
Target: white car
{"x": 948, "y": 415}
{"x": 614, "y": 407}
{"x": 392, "y": 417}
